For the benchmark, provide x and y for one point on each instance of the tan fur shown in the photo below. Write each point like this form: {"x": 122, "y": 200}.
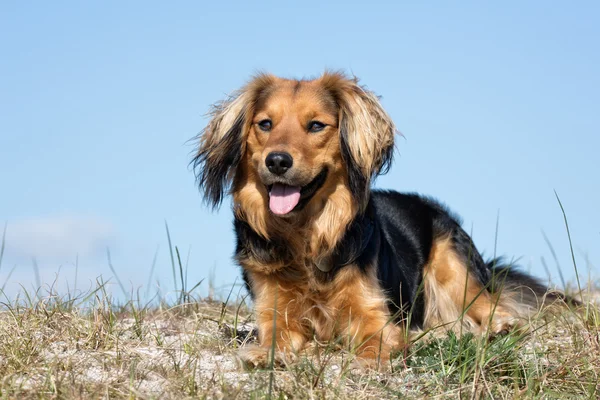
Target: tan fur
{"x": 304, "y": 302}
{"x": 291, "y": 105}
{"x": 352, "y": 307}
{"x": 453, "y": 296}
{"x": 225, "y": 113}
{"x": 370, "y": 128}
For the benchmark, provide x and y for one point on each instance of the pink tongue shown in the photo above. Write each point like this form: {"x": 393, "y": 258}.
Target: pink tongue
{"x": 283, "y": 198}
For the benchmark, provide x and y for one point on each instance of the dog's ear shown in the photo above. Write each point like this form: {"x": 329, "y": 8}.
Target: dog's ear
{"x": 366, "y": 133}
{"x": 222, "y": 142}
{"x": 220, "y": 147}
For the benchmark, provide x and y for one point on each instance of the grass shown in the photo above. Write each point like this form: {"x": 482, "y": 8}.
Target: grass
{"x": 90, "y": 346}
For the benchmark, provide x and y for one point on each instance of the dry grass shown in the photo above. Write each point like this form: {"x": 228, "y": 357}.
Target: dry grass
{"x": 53, "y": 346}
{"x": 90, "y": 348}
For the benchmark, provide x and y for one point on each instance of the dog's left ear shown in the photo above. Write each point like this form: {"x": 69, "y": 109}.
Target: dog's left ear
{"x": 366, "y": 134}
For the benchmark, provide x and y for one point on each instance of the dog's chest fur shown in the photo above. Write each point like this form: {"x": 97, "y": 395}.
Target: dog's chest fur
{"x": 319, "y": 301}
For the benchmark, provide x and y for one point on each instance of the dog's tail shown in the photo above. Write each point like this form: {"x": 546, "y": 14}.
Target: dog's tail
{"x": 522, "y": 290}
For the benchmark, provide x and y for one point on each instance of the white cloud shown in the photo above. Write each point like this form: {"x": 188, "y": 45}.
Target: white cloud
{"x": 58, "y": 238}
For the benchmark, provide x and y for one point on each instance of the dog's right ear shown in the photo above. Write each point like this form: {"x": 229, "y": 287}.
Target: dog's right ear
{"x": 220, "y": 147}
{"x": 222, "y": 142}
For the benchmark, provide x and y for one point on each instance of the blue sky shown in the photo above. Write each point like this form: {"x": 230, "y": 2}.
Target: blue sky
{"x": 498, "y": 104}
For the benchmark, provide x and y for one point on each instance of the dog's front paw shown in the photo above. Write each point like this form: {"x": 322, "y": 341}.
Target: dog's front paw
{"x": 503, "y": 323}
{"x": 252, "y": 357}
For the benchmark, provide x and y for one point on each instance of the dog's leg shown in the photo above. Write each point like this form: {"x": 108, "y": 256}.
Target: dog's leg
{"x": 365, "y": 321}
{"x": 280, "y": 327}
{"x": 374, "y": 338}
{"x": 453, "y": 295}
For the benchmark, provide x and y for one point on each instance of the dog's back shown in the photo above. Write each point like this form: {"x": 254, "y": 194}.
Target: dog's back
{"x": 435, "y": 276}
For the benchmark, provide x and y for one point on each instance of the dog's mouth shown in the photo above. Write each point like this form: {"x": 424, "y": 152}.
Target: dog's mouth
{"x": 284, "y": 198}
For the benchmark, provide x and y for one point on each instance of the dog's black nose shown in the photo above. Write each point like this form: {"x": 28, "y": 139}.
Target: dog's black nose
{"x": 278, "y": 162}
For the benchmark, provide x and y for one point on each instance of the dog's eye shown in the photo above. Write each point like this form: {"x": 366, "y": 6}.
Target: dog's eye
{"x": 265, "y": 125}
{"x": 316, "y": 126}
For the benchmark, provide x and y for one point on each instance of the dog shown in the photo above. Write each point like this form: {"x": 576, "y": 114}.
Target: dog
{"x": 324, "y": 256}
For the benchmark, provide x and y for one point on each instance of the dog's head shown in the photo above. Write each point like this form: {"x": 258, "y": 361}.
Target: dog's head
{"x": 286, "y": 144}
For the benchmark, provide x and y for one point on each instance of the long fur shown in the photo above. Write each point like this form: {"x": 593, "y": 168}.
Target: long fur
{"x": 222, "y": 141}
{"x": 349, "y": 263}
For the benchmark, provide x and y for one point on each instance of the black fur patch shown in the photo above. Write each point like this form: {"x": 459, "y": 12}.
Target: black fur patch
{"x": 386, "y": 161}
{"x": 251, "y": 245}
{"x": 355, "y": 245}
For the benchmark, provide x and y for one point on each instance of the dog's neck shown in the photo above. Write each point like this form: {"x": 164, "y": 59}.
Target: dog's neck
{"x": 277, "y": 256}
{"x": 331, "y": 238}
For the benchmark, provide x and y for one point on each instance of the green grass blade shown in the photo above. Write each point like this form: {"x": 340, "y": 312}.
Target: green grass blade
{"x": 273, "y": 338}
{"x": 182, "y": 296}
{"x": 172, "y": 256}
{"x": 570, "y": 241}
{"x": 555, "y": 257}
{"x": 151, "y": 272}
{"x": 110, "y": 265}
{"x": 8, "y": 278}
